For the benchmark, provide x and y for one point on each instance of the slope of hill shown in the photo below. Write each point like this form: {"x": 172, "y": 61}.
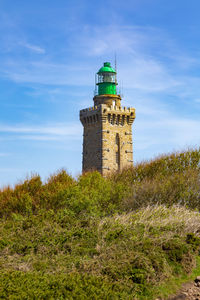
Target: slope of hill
{"x": 133, "y": 235}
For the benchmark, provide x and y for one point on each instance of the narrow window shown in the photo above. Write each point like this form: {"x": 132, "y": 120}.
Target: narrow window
{"x": 117, "y": 158}
{"x": 123, "y": 118}
{"x": 117, "y": 139}
{"x": 113, "y": 119}
{"x": 117, "y": 154}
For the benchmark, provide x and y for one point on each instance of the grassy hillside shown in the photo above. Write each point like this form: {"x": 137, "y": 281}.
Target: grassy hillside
{"x": 133, "y": 235}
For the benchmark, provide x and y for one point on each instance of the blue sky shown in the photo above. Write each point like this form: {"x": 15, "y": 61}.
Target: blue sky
{"x": 49, "y": 54}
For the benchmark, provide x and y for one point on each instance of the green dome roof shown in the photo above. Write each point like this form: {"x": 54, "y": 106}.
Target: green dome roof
{"x": 106, "y": 68}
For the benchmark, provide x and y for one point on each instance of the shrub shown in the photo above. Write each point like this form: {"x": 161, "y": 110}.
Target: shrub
{"x": 101, "y": 238}
{"x": 178, "y": 188}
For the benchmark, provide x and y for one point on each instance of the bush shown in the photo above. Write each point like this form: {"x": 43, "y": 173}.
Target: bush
{"x": 19, "y": 285}
{"x": 178, "y": 188}
{"x": 120, "y": 237}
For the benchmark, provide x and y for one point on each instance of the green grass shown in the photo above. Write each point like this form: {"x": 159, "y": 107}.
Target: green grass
{"x": 133, "y": 235}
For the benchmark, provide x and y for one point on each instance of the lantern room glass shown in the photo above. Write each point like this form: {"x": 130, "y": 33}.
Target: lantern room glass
{"x": 107, "y": 77}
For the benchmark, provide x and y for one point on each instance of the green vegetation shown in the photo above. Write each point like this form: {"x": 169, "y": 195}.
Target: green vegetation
{"x": 132, "y": 235}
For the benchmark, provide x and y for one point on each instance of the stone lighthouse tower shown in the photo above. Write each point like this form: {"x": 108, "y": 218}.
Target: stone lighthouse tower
{"x": 107, "y": 138}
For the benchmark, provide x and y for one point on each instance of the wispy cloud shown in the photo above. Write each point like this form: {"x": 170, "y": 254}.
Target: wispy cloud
{"x": 34, "y": 48}
{"x": 43, "y": 137}
{"x": 42, "y": 132}
{"x": 151, "y": 65}
{"x": 141, "y": 65}
{"x": 4, "y": 154}
{"x": 47, "y": 73}
{"x": 159, "y": 131}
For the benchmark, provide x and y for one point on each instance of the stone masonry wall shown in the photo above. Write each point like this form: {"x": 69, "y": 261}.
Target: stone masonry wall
{"x": 107, "y": 143}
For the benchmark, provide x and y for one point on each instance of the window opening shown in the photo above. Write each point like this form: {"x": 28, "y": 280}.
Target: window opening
{"x": 117, "y": 154}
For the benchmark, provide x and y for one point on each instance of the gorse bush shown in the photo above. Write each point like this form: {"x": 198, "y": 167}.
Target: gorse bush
{"x": 169, "y": 180}
{"x": 178, "y": 188}
{"x": 56, "y": 255}
{"x": 91, "y": 193}
{"x": 162, "y": 166}
{"x": 121, "y": 237}
{"x": 32, "y": 194}
{"x": 24, "y": 286}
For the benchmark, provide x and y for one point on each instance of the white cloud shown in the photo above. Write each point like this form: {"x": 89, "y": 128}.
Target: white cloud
{"x": 4, "y": 154}
{"x": 43, "y": 132}
{"x": 141, "y": 65}
{"x": 163, "y": 132}
{"x": 106, "y": 40}
{"x": 147, "y": 75}
{"x": 160, "y": 127}
{"x": 47, "y": 73}
{"x": 46, "y": 137}
{"x": 34, "y": 48}
{"x": 151, "y": 66}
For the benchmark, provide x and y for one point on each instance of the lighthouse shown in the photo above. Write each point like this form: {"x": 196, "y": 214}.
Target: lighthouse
{"x": 107, "y": 134}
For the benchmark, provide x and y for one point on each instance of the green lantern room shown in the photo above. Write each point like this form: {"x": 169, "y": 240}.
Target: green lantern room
{"x": 107, "y": 81}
